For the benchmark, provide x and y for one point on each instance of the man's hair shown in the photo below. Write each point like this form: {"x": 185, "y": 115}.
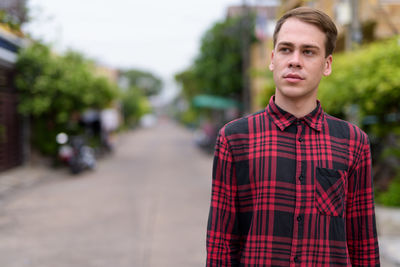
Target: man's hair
{"x": 314, "y": 17}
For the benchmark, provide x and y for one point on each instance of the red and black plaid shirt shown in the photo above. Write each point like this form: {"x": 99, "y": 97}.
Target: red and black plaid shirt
{"x": 292, "y": 192}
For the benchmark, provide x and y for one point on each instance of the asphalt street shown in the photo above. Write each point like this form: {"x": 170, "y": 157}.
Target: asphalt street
{"x": 146, "y": 205}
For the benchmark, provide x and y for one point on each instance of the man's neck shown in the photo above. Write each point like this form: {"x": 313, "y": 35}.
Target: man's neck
{"x": 298, "y": 107}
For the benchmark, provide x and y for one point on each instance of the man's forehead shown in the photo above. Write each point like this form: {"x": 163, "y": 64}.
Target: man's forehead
{"x": 291, "y": 22}
{"x": 302, "y": 33}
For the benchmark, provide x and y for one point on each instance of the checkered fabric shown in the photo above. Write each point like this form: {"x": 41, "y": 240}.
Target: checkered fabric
{"x": 292, "y": 192}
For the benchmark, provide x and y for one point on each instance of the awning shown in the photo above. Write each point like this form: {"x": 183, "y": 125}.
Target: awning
{"x": 215, "y": 102}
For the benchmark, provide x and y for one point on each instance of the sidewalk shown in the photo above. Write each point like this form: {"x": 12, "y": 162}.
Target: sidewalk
{"x": 22, "y": 177}
{"x": 387, "y": 219}
{"x": 388, "y": 224}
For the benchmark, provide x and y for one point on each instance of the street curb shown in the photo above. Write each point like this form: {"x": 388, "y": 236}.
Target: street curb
{"x": 21, "y": 177}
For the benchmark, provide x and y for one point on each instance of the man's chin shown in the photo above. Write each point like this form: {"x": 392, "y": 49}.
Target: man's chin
{"x": 295, "y": 93}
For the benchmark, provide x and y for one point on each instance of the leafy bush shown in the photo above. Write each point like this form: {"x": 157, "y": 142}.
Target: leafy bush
{"x": 268, "y": 90}
{"x": 368, "y": 77}
{"x": 54, "y": 89}
{"x": 134, "y": 106}
{"x": 367, "y": 80}
{"x": 392, "y": 196}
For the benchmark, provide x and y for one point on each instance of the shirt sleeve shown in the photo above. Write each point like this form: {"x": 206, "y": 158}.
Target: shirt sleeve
{"x": 223, "y": 242}
{"x": 362, "y": 238}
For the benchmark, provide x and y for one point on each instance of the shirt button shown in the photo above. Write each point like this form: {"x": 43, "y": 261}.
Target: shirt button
{"x": 296, "y": 259}
{"x": 301, "y": 139}
{"x": 299, "y": 218}
{"x": 301, "y": 178}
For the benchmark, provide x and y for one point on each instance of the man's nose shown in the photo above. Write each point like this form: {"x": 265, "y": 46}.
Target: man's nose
{"x": 295, "y": 60}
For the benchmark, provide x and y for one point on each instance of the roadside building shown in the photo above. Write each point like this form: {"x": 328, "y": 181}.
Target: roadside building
{"x": 357, "y": 20}
{"x": 12, "y": 128}
{"x": 15, "y": 10}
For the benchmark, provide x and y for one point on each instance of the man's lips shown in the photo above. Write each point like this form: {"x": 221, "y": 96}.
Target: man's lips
{"x": 293, "y": 78}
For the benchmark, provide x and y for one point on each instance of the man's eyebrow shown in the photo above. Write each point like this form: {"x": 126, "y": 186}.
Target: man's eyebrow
{"x": 285, "y": 44}
{"x": 310, "y": 46}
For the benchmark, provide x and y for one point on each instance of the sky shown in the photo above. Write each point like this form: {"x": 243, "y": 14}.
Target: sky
{"x": 161, "y": 36}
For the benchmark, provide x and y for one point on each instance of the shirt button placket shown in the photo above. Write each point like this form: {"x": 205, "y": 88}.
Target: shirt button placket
{"x": 298, "y": 231}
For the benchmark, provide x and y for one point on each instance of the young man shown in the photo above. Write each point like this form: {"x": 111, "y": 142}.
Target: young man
{"x": 292, "y": 185}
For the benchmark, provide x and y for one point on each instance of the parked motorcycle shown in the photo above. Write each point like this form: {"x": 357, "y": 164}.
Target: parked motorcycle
{"x": 75, "y": 153}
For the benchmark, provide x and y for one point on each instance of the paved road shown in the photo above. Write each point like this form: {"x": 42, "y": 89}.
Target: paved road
{"x": 144, "y": 206}
{"x": 147, "y": 205}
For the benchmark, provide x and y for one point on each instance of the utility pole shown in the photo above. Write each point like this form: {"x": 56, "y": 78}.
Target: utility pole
{"x": 354, "y": 38}
{"x": 245, "y": 36}
{"x": 355, "y": 33}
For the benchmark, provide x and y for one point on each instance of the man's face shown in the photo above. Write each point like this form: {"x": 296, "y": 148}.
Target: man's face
{"x": 298, "y": 60}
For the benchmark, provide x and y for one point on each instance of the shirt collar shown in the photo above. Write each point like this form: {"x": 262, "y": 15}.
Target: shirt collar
{"x": 283, "y": 119}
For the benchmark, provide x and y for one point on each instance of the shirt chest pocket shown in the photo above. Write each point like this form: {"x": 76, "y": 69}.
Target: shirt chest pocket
{"x": 330, "y": 191}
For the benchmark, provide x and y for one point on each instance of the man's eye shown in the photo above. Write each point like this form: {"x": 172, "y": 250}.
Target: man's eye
{"x": 308, "y": 52}
{"x": 284, "y": 49}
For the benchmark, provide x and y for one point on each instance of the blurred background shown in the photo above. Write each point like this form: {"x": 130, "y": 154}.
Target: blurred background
{"x": 133, "y": 93}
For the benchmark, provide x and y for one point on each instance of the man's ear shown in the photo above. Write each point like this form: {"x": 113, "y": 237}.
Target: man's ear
{"x": 271, "y": 64}
{"x": 328, "y": 66}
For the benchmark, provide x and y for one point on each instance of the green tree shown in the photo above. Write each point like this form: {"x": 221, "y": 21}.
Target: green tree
{"x": 219, "y": 66}
{"x": 189, "y": 83}
{"x": 218, "y": 69}
{"x": 53, "y": 88}
{"x": 134, "y": 105}
{"x": 145, "y": 81}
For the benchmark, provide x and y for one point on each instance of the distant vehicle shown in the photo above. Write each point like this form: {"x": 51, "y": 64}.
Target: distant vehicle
{"x": 206, "y": 136}
{"x": 75, "y": 153}
{"x": 148, "y": 120}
